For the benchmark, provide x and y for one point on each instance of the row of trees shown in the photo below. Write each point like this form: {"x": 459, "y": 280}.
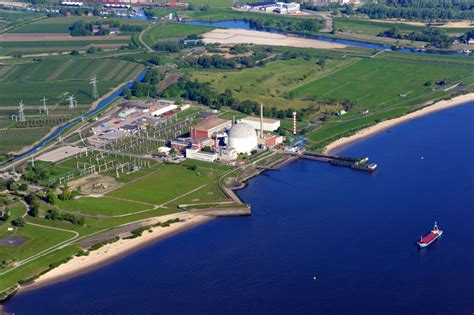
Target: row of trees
{"x": 55, "y": 215}
{"x": 81, "y": 28}
{"x": 420, "y": 9}
{"x": 147, "y": 87}
{"x": 436, "y": 37}
{"x": 297, "y": 26}
{"x": 218, "y": 62}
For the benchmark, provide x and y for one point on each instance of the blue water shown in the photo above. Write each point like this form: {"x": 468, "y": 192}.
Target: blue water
{"x": 361, "y": 44}
{"x": 102, "y": 104}
{"x": 353, "y": 230}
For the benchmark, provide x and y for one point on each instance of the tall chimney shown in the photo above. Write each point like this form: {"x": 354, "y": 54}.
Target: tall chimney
{"x": 261, "y": 120}
{"x": 294, "y": 123}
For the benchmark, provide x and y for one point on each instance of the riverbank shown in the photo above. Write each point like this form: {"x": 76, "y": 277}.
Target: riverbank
{"x": 384, "y": 125}
{"x": 113, "y": 251}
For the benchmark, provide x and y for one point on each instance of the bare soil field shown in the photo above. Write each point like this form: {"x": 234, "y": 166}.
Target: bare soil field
{"x": 235, "y": 36}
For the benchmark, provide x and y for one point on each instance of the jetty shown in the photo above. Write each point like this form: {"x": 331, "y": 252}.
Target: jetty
{"x": 361, "y": 164}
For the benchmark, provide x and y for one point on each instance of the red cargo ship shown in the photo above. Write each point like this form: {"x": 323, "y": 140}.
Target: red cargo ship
{"x": 431, "y": 237}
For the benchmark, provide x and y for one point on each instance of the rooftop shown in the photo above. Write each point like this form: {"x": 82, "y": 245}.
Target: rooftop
{"x": 265, "y": 120}
{"x": 211, "y": 123}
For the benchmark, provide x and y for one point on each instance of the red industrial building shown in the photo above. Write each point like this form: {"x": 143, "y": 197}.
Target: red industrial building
{"x": 209, "y": 127}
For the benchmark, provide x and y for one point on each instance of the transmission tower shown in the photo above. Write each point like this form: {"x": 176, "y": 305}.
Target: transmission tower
{"x": 21, "y": 111}
{"x": 32, "y": 160}
{"x": 93, "y": 82}
{"x": 72, "y": 102}
{"x": 44, "y": 108}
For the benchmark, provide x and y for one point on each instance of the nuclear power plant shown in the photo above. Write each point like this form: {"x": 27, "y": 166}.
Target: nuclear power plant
{"x": 216, "y": 139}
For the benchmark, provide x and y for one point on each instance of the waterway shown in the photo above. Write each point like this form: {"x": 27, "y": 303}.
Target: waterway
{"x": 241, "y": 24}
{"x": 354, "y": 231}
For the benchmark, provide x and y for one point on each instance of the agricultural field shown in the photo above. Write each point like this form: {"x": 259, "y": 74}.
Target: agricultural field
{"x": 61, "y": 24}
{"x": 172, "y": 31}
{"x": 56, "y": 78}
{"x": 26, "y": 48}
{"x": 15, "y": 139}
{"x": 10, "y": 18}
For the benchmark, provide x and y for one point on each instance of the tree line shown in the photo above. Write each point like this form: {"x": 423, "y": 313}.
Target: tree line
{"x": 81, "y": 28}
{"x": 420, "y": 9}
{"x": 300, "y": 26}
{"x": 436, "y": 37}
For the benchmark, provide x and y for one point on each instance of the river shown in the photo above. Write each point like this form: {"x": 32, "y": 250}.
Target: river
{"x": 354, "y": 231}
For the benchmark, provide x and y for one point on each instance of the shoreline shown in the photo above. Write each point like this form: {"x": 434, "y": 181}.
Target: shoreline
{"x": 109, "y": 253}
{"x": 122, "y": 248}
{"x": 341, "y": 143}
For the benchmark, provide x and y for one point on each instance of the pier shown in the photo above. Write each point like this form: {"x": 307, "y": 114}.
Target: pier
{"x": 361, "y": 164}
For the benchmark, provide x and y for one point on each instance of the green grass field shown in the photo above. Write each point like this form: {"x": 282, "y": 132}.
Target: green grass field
{"x": 172, "y": 31}
{"x": 272, "y": 83}
{"x": 101, "y": 206}
{"x": 168, "y": 182}
{"x": 378, "y": 83}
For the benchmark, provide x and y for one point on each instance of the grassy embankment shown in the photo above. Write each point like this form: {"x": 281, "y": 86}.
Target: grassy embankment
{"x": 154, "y": 192}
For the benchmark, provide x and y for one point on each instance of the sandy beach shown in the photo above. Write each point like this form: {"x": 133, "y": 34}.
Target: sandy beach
{"x": 113, "y": 251}
{"x": 240, "y": 36}
{"x": 364, "y": 133}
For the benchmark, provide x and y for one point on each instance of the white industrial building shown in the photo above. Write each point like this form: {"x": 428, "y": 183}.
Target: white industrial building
{"x": 287, "y": 8}
{"x": 197, "y": 154}
{"x": 163, "y": 110}
{"x": 273, "y": 7}
{"x": 242, "y": 138}
{"x": 267, "y": 123}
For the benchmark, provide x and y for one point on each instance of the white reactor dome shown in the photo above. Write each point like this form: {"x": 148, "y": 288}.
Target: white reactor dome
{"x": 243, "y": 138}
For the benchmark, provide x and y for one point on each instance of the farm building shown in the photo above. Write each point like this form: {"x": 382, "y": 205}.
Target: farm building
{"x": 268, "y": 124}
{"x": 209, "y": 127}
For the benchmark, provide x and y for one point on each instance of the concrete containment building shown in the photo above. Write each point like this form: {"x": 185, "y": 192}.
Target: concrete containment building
{"x": 242, "y": 138}
{"x": 268, "y": 124}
